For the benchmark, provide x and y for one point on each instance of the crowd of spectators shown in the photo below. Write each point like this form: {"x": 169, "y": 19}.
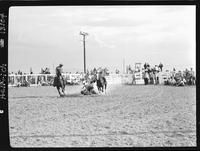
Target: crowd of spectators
{"x": 181, "y": 78}
{"x": 151, "y": 73}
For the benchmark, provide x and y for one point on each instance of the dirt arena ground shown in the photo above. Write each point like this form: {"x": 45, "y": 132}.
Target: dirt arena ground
{"x": 127, "y": 116}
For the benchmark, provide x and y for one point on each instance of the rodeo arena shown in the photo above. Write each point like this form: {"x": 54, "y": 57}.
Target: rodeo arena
{"x": 145, "y": 106}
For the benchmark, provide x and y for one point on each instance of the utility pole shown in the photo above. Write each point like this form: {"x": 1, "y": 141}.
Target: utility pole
{"x": 84, "y": 34}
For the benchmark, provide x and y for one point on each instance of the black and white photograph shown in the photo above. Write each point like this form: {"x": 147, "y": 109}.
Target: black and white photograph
{"x": 102, "y": 76}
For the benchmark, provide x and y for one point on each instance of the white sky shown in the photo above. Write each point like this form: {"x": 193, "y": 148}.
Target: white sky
{"x": 41, "y": 36}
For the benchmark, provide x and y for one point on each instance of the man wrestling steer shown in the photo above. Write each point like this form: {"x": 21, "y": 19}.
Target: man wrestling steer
{"x": 88, "y": 88}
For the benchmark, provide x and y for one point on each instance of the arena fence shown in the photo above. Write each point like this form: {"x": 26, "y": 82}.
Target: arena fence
{"x": 47, "y": 79}
{"x": 41, "y": 79}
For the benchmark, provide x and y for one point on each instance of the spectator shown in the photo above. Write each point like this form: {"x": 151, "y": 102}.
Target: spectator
{"x": 160, "y": 66}
{"x": 117, "y": 71}
{"x": 145, "y": 65}
{"x": 146, "y": 77}
{"x": 173, "y": 81}
{"x": 133, "y": 78}
{"x": 151, "y": 77}
{"x": 156, "y": 68}
{"x": 148, "y": 66}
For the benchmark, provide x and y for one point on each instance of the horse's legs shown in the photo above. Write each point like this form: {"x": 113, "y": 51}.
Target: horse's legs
{"x": 105, "y": 86}
{"x": 99, "y": 89}
{"x": 102, "y": 89}
{"x": 58, "y": 90}
{"x": 63, "y": 90}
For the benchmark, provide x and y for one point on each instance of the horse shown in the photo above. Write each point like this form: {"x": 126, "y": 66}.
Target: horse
{"x": 101, "y": 82}
{"x": 60, "y": 83}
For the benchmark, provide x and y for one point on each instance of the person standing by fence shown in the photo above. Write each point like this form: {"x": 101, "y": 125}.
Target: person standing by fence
{"x": 146, "y": 77}
{"x": 160, "y": 66}
{"x": 133, "y": 78}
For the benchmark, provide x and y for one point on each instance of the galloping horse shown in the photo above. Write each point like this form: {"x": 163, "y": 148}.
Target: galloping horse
{"x": 59, "y": 82}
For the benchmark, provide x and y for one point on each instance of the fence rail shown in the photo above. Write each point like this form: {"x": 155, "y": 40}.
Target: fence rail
{"x": 39, "y": 79}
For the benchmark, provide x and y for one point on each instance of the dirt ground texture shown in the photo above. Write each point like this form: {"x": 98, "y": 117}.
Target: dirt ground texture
{"x": 127, "y": 116}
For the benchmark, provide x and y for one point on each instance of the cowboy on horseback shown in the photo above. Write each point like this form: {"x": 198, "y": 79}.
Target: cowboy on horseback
{"x": 59, "y": 80}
